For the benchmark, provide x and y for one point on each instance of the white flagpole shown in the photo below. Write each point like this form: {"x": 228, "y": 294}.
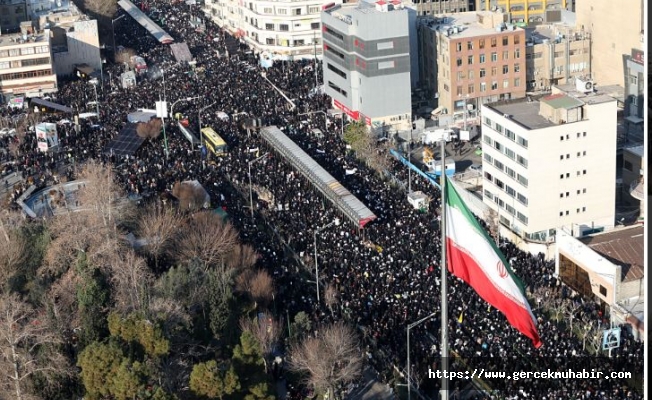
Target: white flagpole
{"x": 444, "y": 286}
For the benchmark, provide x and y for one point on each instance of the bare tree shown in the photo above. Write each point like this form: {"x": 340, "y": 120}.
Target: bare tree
{"x": 262, "y": 288}
{"x": 206, "y": 238}
{"x": 571, "y": 308}
{"x": 331, "y": 297}
{"x": 12, "y": 252}
{"x": 158, "y": 227}
{"x": 101, "y": 195}
{"x": 331, "y": 359}
{"x": 131, "y": 280}
{"x": 150, "y": 129}
{"x": 243, "y": 256}
{"x": 125, "y": 55}
{"x": 267, "y": 332}
{"x": 23, "y": 334}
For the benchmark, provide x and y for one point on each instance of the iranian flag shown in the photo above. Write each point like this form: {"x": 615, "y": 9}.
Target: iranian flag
{"x": 474, "y": 257}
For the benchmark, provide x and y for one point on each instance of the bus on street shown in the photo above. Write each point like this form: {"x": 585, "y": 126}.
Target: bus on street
{"x": 213, "y": 142}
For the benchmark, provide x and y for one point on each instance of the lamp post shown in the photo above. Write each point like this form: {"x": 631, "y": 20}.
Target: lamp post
{"x": 94, "y": 82}
{"x": 410, "y": 326}
{"x": 251, "y": 196}
{"x": 183, "y": 99}
{"x": 201, "y": 134}
{"x": 336, "y": 221}
{"x": 113, "y": 31}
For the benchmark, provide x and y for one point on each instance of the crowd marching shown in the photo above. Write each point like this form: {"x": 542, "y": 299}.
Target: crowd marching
{"x": 382, "y": 287}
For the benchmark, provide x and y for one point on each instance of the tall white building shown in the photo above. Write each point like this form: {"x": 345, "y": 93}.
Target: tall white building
{"x": 551, "y": 163}
{"x": 285, "y": 29}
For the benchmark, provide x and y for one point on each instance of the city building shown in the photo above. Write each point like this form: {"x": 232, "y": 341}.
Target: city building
{"x": 12, "y": 13}
{"x": 26, "y": 66}
{"x": 526, "y": 12}
{"x": 616, "y": 28}
{"x": 432, "y": 7}
{"x": 286, "y": 30}
{"x": 472, "y": 58}
{"x": 634, "y": 92}
{"x": 609, "y": 268}
{"x": 550, "y": 163}
{"x": 556, "y": 54}
{"x": 75, "y": 43}
{"x": 367, "y": 62}
{"x": 633, "y": 185}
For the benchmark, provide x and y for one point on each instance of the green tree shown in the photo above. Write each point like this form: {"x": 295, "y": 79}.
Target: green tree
{"x": 99, "y": 363}
{"x": 248, "y": 352}
{"x": 135, "y": 328}
{"x": 356, "y": 136}
{"x": 220, "y": 296}
{"x": 301, "y": 326}
{"x": 208, "y": 380}
{"x": 128, "y": 381}
{"x": 260, "y": 391}
{"x": 92, "y": 300}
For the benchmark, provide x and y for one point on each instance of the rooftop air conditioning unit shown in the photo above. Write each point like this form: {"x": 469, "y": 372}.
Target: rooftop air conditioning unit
{"x": 584, "y": 85}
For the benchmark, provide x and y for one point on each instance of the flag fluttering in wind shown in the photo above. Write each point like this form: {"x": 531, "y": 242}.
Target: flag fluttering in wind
{"x": 474, "y": 257}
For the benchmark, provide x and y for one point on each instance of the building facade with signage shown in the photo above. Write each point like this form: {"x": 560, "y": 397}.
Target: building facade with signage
{"x": 471, "y": 59}
{"x": 432, "y": 7}
{"x": 26, "y": 67}
{"x": 526, "y": 12}
{"x": 634, "y": 91}
{"x": 285, "y": 29}
{"x": 367, "y": 62}
{"x": 607, "y": 267}
{"x": 550, "y": 163}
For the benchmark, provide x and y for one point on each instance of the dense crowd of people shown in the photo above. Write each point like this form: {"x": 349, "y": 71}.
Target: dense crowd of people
{"x": 386, "y": 275}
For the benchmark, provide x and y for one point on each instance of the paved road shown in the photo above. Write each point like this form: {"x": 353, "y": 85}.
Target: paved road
{"x": 370, "y": 388}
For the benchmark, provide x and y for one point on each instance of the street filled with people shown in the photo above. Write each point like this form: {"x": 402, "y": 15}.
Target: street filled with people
{"x": 385, "y": 275}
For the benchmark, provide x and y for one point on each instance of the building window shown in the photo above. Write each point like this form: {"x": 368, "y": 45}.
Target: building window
{"x": 282, "y": 11}
{"x": 488, "y": 158}
{"x": 483, "y": 87}
{"x": 494, "y": 71}
{"x": 603, "y": 291}
{"x": 522, "y": 161}
{"x": 269, "y": 27}
{"x": 505, "y": 40}
{"x": 521, "y": 218}
{"x": 460, "y": 75}
{"x": 494, "y": 56}
{"x": 517, "y": 53}
{"x": 296, "y": 11}
{"x": 522, "y": 199}
{"x": 505, "y": 69}
{"x": 314, "y": 25}
{"x": 334, "y": 33}
{"x": 470, "y": 60}
{"x": 385, "y": 45}
{"x": 459, "y": 62}
{"x": 386, "y": 64}
{"x": 267, "y": 10}
{"x": 471, "y": 74}
{"x": 584, "y": 172}
{"x": 483, "y": 72}
{"x": 482, "y": 58}
{"x": 481, "y": 43}
{"x": 583, "y": 209}
{"x": 336, "y": 70}
{"x": 313, "y": 10}
{"x": 458, "y": 45}
{"x": 269, "y": 41}
{"x": 505, "y": 55}
{"x": 493, "y": 42}
{"x": 628, "y": 166}
{"x": 283, "y": 28}
{"x": 337, "y": 88}
{"x": 517, "y": 68}
{"x": 494, "y": 85}
{"x": 517, "y": 82}
{"x": 510, "y": 153}
{"x": 498, "y": 164}
{"x": 488, "y": 194}
{"x": 471, "y": 89}
{"x": 459, "y": 90}
{"x": 561, "y": 138}
{"x": 469, "y": 45}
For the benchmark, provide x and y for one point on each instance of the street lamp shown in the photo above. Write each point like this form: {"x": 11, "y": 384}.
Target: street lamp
{"x": 336, "y": 221}
{"x": 94, "y": 82}
{"x": 251, "y": 196}
{"x": 113, "y": 32}
{"x": 410, "y": 326}
{"x": 183, "y": 99}
{"x": 201, "y": 134}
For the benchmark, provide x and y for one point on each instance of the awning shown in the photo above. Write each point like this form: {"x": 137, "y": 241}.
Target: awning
{"x": 49, "y": 104}
{"x": 634, "y": 119}
{"x": 181, "y": 52}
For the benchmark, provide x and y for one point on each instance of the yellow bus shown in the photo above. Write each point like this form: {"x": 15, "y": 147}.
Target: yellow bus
{"x": 213, "y": 142}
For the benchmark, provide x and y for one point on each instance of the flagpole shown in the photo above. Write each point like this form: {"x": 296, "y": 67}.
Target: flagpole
{"x": 444, "y": 286}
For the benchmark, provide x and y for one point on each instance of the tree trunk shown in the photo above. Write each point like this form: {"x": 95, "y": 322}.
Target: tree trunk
{"x": 19, "y": 395}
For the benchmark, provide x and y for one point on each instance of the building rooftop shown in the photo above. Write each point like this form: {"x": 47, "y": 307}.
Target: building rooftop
{"x": 561, "y": 100}
{"x": 15, "y": 39}
{"x": 636, "y": 150}
{"x": 466, "y": 24}
{"x": 622, "y": 247}
{"x": 524, "y": 112}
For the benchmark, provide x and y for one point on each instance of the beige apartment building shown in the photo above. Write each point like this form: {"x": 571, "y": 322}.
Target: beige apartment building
{"x": 75, "y": 43}
{"x": 556, "y": 54}
{"x": 526, "y": 12}
{"x": 26, "y": 64}
{"x": 616, "y": 28}
{"x": 473, "y": 58}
